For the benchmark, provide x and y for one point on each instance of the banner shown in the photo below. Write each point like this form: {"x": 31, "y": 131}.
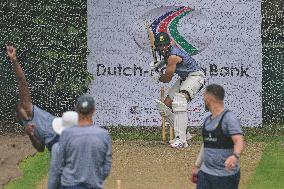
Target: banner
{"x": 224, "y": 37}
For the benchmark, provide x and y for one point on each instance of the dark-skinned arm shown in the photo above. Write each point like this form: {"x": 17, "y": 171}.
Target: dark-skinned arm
{"x": 37, "y": 144}
{"x": 24, "y": 92}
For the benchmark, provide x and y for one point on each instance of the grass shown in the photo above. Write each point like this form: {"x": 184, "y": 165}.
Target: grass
{"x": 268, "y": 174}
{"x": 266, "y": 133}
{"x": 135, "y": 133}
{"x": 34, "y": 169}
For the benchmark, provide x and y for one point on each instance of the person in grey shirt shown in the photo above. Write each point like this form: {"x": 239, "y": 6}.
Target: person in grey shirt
{"x": 68, "y": 119}
{"x": 217, "y": 165}
{"x": 53, "y": 181}
{"x": 85, "y": 151}
{"x": 37, "y": 122}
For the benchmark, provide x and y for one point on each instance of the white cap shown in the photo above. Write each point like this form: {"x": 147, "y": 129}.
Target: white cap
{"x": 68, "y": 119}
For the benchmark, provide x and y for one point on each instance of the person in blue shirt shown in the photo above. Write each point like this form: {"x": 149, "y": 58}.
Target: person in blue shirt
{"x": 84, "y": 152}
{"x": 191, "y": 80}
{"x": 37, "y": 122}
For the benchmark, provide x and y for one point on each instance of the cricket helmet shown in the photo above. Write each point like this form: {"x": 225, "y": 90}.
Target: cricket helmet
{"x": 162, "y": 38}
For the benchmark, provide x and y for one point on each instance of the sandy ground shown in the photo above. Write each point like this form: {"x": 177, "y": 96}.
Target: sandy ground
{"x": 13, "y": 149}
{"x": 151, "y": 165}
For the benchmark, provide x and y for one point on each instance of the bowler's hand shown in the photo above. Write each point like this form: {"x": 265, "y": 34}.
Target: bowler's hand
{"x": 29, "y": 129}
{"x": 11, "y": 52}
{"x": 231, "y": 162}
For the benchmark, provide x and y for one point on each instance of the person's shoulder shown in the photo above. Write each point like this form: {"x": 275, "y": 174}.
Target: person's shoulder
{"x": 229, "y": 114}
{"x": 68, "y": 131}
{"x": 230, "y": 118}
{"x": 40, "y": 109}
{"x": 178, "y": 50}
{"x": 100, "y": 129}
{"x": 207, "y": 117}
{"x": 174, "y": 49}
{"x": 231, "y": 124}
{"x": 36, "y": 107}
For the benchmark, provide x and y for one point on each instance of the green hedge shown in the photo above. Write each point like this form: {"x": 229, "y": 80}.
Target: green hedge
{"x": 273, "y": 60}
{"x": 52, "y": 36}
{"x": 273, "y": 84}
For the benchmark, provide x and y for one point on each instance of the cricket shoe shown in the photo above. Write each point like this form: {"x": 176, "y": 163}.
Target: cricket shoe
{"x": 188, "y": 137}
{"x": 173, "y": 140}
{"x": 179, "y": 144}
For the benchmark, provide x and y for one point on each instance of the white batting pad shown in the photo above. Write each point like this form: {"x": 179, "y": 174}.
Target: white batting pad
{"x": 180, "y": 116}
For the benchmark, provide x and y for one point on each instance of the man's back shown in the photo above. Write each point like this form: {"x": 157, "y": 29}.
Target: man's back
{"x": 87, "y": 156}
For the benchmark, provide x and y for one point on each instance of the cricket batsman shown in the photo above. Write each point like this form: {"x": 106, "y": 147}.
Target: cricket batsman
{"x": 191, "y": 80}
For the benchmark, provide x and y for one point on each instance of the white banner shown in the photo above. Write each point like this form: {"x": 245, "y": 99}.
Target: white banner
{"x": 223, "y": 36}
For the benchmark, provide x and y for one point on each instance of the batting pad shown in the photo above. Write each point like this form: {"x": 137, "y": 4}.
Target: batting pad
{"x": 180, "y": 116}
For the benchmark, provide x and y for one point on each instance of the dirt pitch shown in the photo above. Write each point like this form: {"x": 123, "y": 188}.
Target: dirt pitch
{"x": 152, "y": 165}
{"x": 136, "y": 164}
{"x": 13, "y": 149}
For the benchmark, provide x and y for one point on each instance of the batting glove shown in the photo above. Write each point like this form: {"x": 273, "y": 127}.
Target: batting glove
{"x": 155, "y": 76}
{"x": 155, "y": 65}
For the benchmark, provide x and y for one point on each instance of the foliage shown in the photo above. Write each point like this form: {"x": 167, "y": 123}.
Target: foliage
{"x": 52, "y": 36}
{"x": 272, "y": 62}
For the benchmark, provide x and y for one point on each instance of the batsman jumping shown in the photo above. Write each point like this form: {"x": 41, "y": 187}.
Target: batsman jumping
{"x": 191, "y": 80}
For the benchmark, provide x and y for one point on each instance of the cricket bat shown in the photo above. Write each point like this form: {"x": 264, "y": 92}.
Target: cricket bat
{"x": 151, "y": 40}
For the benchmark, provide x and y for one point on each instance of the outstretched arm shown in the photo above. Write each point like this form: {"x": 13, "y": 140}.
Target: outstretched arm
{"x": 24, "y": 92}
